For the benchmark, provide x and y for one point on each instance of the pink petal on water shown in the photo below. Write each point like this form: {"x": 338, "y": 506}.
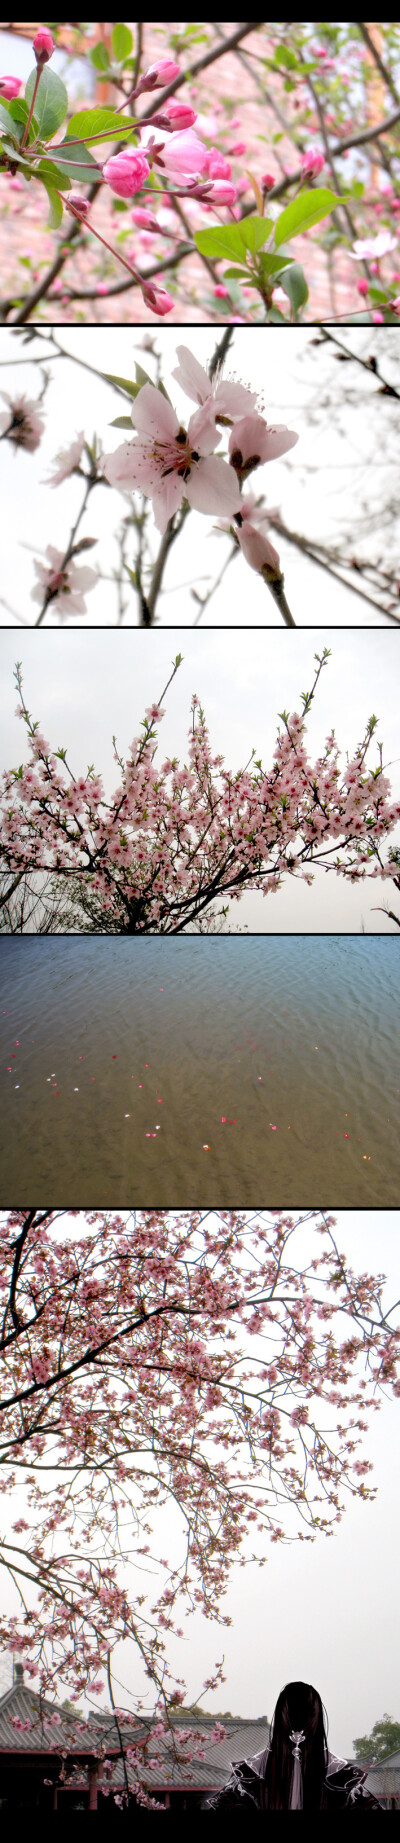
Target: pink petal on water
{"x": 274, "y": 1129}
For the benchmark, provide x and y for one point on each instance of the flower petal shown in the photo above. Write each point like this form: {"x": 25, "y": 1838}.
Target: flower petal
{"x": 153, "y": 415}
{"x": 191, "y": 376}
{"x": 213, "y": 486}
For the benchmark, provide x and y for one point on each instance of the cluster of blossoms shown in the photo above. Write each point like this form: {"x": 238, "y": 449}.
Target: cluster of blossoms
{"x": 131, "y": 1332}
{"x": 170, "y": 463}
{"x": 172, "y": 838}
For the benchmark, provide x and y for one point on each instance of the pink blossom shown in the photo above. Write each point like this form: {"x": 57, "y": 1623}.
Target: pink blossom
{"x": 256, "y": 547}
{"x": 144, "y": 218}
{"x": 157, "y": 298}
{"x": 126, "y": 172}
{"x": 312, "y": 162}
{"x": 43, "y": 45}
{"x": 217, "y": 166}
{"x": 24, "y": 422}
{"x": 221, "y": 193}
{"x": 373, "y": 246}
{"x": 67, "y": 586}
{"x": 158, "y": 75}
{"x": 180, "y": 114}
{"x": 253, "y": 441}
{"x": 363, "y": 285}
{"x": 182, "y": 157}
{"x": 10, "y": 87}
{"x": 221, "y": 399}
{"x": 68, "y": 459}
{"x": 170, "y": 464}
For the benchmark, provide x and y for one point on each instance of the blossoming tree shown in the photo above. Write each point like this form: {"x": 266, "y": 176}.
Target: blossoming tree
{"x": 171, "y": 840}
{"x": 222, "y": 1363}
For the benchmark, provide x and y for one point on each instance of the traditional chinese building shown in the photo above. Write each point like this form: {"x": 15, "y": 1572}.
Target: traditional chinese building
{"x": 53, "y": 1760}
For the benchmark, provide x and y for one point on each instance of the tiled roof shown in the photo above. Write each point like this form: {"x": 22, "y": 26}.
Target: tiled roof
{"x": 40, "y": 1733}
{"x": 43, "y": 1733}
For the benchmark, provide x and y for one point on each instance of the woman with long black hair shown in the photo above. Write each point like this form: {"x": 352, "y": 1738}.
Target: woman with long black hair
{"x": 296, "y": 1771}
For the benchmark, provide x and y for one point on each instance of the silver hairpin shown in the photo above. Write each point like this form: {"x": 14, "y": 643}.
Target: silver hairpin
{"x": 296, "y": 1739}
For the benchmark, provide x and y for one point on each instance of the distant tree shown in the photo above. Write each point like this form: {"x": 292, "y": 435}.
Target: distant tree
{"x": 383, "y": 1740}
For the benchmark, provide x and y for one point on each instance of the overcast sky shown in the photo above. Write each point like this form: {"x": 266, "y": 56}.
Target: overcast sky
{"x": 325, "y": 479}
{"x": 86, "y": 687}
{"x": 327, "y": 1611}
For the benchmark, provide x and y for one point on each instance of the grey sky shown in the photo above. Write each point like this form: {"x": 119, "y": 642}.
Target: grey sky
{"x": 84, "y": 687}
{"x": 325, "y": 1611}
{"x": 316, "y": 487}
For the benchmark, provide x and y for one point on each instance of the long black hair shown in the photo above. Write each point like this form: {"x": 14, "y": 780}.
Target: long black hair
{"x": 298, "y": 1710}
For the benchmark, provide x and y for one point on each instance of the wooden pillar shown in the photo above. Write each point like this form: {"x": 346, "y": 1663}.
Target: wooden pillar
{"x": 93, "y": 1771}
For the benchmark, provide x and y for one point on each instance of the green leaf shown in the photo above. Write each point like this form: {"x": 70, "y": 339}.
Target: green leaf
{"x": 125, "y": 384}
{"x": 121, "y": 422}
{"x": 52, "y": 175}
{"x": 283, "y": 56}
{"x": 236, "y": 274}
{"x": 56, "y": 210}
{"x": 305, "y": 211}
{"x": 221, "y": 240}
{"x": 19, "y": 109}
{"x": 122, "y": 43}
{"x": 255, "y": 232}
{"x": 92, "y": 122}
{"x": 294, "y": 285}
{"x": 99, "y": 57}
{"x": 51, "y": 102}
{"x": 273, "y": 265}
{"x": 77, "y": 161}
{"x": 5, "y": 118}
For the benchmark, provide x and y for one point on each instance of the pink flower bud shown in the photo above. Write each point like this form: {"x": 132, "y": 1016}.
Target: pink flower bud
{"x": 221, "y": 193}
{"x": 10, "y": 87}
{"x": 43, "y": 45}
{"x": 312, "y": 162}
{"x": 180, "y": 115}
{"x": 256, "y": 547}
{"x": 125, "y": 172}
{"x": 145, "y": 219}
{"x": 378, "y": 318}
{"x": 362, "y": 286}
{"x": 81, "y": 204}
{"x": 102, "y": 288}
{"x": 159, "y": 74}
{"x": 222, "y": 293}
{"x": 267, "y": 181}
{"x": 217, "y": 167}
{"x": 158, "y": 299}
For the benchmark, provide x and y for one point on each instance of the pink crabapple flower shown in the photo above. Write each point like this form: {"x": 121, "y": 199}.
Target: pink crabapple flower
{"x": 312, "y": 162}
{"x": 158, "y": 299}
{"x": 182, "y": 156}
{"x": 67, "y": 586}
{"x": 168, "y": 463}
{"x": 373, "y": 246}
{"x": 43, "y": 45}
{"x": 23, "y": 422}
{"x": 180, "y": 113}
{"x": 68, "y": 459}
{"x": 125, "y": 172}
{"x": 158, "y": 75}
{"x": 10, "y": 87}
{"x": 221, "y": 193}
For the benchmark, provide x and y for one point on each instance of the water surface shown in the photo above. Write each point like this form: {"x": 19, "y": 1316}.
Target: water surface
{"x": 231, "y": 1072}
